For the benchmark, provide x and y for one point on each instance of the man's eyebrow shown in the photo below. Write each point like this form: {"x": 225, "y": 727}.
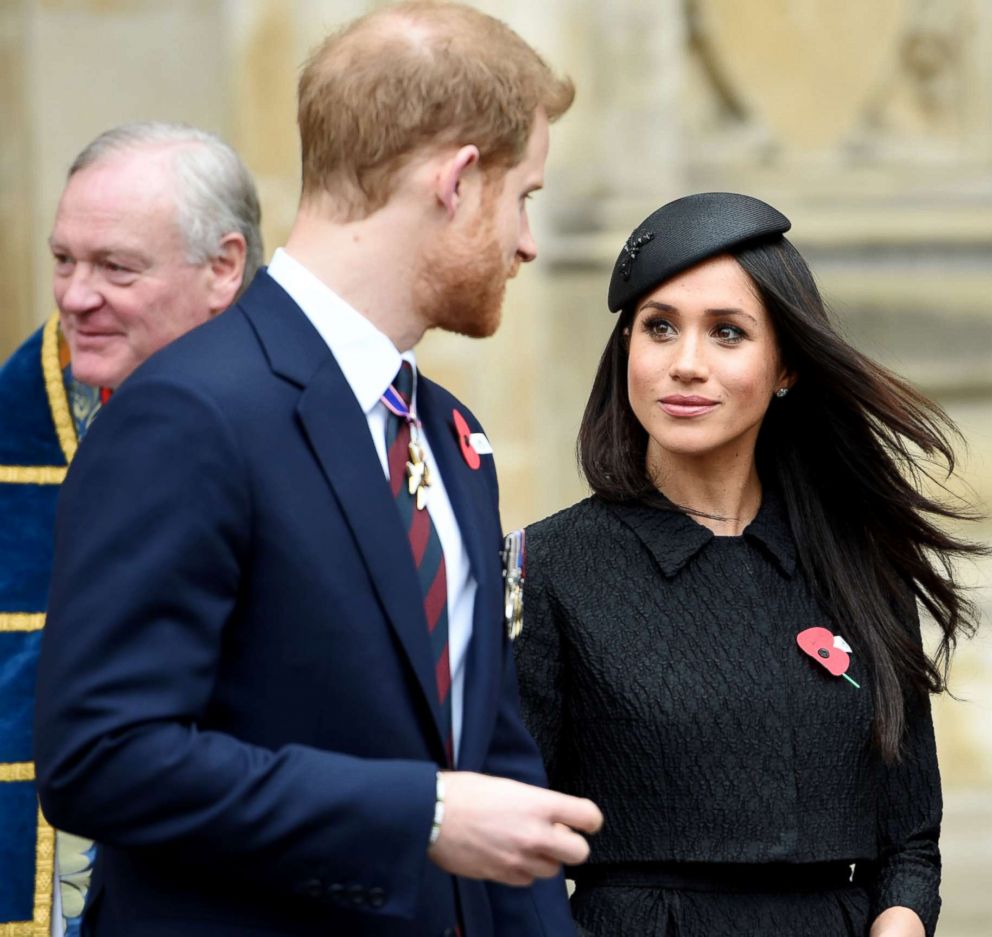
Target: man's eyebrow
{"x": 123, "y": 253}
{"x": 127, "y": 254}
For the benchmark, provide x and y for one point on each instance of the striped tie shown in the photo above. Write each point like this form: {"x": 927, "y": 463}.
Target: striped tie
{"x": 428, "y": 556}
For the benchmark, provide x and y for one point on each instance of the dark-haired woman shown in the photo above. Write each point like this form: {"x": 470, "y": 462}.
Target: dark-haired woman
{"x": 721, "y": 646}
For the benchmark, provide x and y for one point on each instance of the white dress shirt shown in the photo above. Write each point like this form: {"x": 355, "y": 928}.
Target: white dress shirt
{"x": 369, "y": 361}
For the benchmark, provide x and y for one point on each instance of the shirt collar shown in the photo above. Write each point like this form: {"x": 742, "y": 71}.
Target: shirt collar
{"x": 367, "y": 357}
{"x": 673, "y": 538}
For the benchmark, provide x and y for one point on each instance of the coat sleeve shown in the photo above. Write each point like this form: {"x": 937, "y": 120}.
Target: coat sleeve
{"x": 153, "y": 536}
{"x": 910, "y": 807}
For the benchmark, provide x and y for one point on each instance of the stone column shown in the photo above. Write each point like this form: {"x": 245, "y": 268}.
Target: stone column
{"x": 16, "y": 181}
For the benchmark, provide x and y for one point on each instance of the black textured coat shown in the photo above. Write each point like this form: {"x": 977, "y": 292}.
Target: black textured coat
{"x": 661, "y": 677}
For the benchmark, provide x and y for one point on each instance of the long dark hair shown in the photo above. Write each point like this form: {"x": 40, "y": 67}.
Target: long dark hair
{"x": 852, "y": 448}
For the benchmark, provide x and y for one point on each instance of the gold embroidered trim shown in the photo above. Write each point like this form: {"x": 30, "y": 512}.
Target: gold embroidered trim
{"x": 44, "y": 880}
{"x": 32, "y": 474}
{"x": 25, "y": 929}
{"x": 55, "y": 387}
{"x": 17, "y": 771}
{"x": 58, "y": 404}
{"x": 22, "y": 621}
{"x": 44, "y": 877}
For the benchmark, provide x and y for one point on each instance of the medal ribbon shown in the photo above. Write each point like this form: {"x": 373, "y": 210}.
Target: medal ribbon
{"x": 396, "y": 405}
{"x": 425, "y": 544}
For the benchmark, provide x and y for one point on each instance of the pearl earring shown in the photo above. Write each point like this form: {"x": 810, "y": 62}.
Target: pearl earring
{"x": 781, "y": 392}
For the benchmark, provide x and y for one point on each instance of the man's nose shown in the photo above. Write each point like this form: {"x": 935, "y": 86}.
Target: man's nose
{"x": 526, "y": 245}
{"x": 79, "y": 292}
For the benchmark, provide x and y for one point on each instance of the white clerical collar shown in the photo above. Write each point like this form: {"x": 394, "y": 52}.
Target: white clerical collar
{"x": 366, "y": 356}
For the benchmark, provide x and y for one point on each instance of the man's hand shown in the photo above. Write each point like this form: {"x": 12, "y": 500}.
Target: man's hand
{"x": 509, "y": 832}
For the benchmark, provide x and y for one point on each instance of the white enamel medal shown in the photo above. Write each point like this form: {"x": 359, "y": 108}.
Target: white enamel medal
{"x": 418, "y": 472}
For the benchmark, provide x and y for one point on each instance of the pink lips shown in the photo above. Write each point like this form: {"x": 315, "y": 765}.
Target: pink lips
{"x": 678, "y": 405}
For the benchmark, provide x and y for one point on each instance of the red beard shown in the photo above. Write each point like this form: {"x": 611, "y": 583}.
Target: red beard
{"x": 462, "y": 282}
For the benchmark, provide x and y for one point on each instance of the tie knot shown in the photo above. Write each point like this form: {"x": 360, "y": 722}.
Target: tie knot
{"x": 403, "y": 382}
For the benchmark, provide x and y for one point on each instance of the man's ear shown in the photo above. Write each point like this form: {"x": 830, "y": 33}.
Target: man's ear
{"x": 227, "y": 269}
{"x": 451, "y": 175}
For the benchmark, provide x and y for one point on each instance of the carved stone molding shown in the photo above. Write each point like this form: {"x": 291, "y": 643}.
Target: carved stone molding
{"x": 803, "y": 69}
{"x": 840, "y": 87}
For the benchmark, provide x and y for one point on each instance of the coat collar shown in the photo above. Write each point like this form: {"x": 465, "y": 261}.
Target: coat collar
{"x": 366, "y": 354}
{"x": 294, "y": 348}
{"x": 771, "y": 530}
{"x": 673, "y": 538}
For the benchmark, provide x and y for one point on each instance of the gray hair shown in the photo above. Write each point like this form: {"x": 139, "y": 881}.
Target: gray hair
{"x": 215, "y": 192}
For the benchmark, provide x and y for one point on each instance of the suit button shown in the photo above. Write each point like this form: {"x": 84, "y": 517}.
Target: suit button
{"x": 450, "y": 932}
{"x": 377, "y": 897}
{"x": 357, "y": 895}
{"x": 312, "y": 888}
{"x": 335, "y": 892}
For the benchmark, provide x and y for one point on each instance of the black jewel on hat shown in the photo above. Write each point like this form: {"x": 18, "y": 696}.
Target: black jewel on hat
{"x": 685, "y": 232}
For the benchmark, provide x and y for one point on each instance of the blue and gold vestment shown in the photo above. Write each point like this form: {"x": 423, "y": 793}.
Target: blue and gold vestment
{"x": 43, "y": 411}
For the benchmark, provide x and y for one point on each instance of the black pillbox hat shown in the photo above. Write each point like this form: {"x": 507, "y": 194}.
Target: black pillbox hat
{"x": 685, "y": 232}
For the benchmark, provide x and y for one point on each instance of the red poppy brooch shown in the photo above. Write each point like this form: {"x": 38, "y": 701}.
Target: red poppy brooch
{"x": 827, "y": 649}
{"x": 472, "y": 444}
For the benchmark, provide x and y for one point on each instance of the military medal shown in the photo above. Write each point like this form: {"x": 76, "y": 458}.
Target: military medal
{"x": 513, "y": 584}
{"x": 418, "y": 472}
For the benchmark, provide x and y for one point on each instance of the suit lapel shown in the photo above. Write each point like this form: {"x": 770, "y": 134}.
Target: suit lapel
{"x": 466, "y": 488}
{"x": 338, "y": 432}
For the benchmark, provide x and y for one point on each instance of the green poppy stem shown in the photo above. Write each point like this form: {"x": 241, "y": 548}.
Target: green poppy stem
{"x": 849, "y": 680}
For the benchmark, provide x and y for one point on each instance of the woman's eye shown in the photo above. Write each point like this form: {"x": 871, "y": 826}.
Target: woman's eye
{"x": 729, "y": 334}
{"x": 659, "y": 328}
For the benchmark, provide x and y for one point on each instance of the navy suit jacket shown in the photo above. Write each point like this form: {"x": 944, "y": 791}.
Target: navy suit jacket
{"x": 236, "y": 693}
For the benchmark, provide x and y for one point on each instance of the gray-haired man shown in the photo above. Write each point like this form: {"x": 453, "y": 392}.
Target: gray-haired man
{"x": 157, "y": 230}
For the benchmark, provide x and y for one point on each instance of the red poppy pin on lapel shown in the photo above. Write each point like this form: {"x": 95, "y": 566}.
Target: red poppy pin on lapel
{"x": 827, "y": 649}
{"x": 464, "y": 434}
